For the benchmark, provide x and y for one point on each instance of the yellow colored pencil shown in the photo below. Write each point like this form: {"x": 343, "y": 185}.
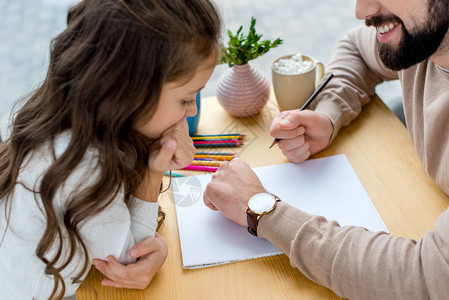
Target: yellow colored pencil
{"x": 206, "y": 163}
{"x": 219, "y": 137}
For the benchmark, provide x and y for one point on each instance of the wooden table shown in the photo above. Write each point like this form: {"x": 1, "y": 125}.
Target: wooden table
{"x": 380, "y": 151}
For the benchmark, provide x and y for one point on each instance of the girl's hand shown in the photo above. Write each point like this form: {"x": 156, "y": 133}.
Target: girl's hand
{"x": 174, "y": 150}
{"x": 302, "y": 133}
{"x": 151, "y": 252}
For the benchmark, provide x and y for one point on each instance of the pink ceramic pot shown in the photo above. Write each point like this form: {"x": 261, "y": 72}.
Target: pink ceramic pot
{"x": 243, "y": 91}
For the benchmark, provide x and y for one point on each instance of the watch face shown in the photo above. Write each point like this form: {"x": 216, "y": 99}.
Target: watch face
{"x": 261, "y": 203}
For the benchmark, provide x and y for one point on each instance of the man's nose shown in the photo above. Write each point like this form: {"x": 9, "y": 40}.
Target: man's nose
{"x": 366, "y": 8}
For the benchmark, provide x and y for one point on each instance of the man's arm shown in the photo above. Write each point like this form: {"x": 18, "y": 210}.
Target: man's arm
{"x": 360, "y": 264}
{"x": 358, "y": 70}
{"x": 352, "y": 261}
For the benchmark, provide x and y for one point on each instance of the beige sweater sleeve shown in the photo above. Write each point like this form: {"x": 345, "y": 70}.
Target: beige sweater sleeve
{"x": 360, "y": 264}
{"x": 357, "y": 70}
{"x": 353, "y": 262}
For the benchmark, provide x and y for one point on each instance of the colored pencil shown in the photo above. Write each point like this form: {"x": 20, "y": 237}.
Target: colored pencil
{"x": 204, "y": 159}
{"x": 173, "y": 174}
{"x": 216, "y": 142}
{"x": 206, "y": 163}
{"x": 216, "y": 161}
{"x": 215, "y": 153}
{"x": 209, "y": 138}
{"x": 216, "y": 157}
{"x": 201, "y": 168}
{"x": 213, "y": 135}
{"x": 218, "y": 145}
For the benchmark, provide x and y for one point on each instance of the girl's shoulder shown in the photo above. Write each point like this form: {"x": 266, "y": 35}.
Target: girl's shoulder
{"x": 42, "y": 158}
{"x": 36, "y": 165}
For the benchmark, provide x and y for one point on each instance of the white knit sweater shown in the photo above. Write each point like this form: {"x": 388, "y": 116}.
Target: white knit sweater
{"x": 112, "y": 232}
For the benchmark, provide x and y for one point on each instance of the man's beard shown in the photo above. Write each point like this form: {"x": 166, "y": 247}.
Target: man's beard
{"x": 419, "y": 45}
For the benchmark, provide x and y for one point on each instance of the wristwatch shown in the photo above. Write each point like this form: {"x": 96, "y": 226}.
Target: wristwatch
{"x": 259, "y": 205}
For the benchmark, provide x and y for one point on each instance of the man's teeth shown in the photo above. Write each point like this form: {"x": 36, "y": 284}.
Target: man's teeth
{"x": 386, "y": 28}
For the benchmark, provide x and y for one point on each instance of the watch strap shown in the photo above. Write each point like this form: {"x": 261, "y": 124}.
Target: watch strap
{"x": 253, "y": 221}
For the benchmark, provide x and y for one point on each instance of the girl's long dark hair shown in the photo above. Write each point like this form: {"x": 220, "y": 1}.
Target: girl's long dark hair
{"x": 106, "y": 73}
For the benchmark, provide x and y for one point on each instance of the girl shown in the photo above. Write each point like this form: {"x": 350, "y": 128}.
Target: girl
{"x": 81, "y": 171}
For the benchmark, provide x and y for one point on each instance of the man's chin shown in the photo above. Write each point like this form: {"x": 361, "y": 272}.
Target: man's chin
{"x": 388, "y": 56}
{"x": 395, "y": 57}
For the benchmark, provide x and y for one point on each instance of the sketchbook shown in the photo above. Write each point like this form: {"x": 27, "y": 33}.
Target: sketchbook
{"x": 325, "y": 186}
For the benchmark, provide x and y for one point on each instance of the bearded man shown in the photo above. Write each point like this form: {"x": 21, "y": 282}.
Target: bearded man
{"x": 409, "y": 42}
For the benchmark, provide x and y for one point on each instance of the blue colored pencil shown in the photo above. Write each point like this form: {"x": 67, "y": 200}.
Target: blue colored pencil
{"x": 173, "y": 174}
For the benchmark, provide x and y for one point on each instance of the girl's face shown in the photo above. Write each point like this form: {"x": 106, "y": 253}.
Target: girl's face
{"x": 177, "y": 101}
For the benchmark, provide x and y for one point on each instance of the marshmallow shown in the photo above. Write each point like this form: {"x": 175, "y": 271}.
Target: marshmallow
{"x": 293, "y": 65}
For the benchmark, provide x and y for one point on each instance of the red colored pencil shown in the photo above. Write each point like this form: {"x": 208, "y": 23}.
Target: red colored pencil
{"x": 216, "y": 142}
{"x": 218, "y": 145}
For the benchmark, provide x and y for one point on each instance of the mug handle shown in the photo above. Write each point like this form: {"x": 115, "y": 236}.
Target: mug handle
{"x": 319, "y": 74}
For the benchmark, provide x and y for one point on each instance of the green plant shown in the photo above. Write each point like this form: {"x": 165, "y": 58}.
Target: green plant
{"x": 243, "y": 48}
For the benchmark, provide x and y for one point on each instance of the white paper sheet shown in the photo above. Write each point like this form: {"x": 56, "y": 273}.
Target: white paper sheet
{"x": 326, "y": 186}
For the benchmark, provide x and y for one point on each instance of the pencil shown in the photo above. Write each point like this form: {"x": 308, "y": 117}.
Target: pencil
{"x": 206, "y": 163}
{"x": 214, "y": 153}
{"x": 218, "y": 137}
{"x": 218, "y": 145}
{"x": 173, "y": 174}
{"x": 215, "y": 135}
{"x": 215, "y": 157}
{"x": 201, "y": 168}
{"x": 317, "y": 91}
{"x": 215, "y": 142}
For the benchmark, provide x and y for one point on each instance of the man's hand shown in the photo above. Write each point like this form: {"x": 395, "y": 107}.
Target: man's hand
{"x": 152, "y": 253}
{"x": 302, "y": 133}
{"x": 230, "y": 189}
